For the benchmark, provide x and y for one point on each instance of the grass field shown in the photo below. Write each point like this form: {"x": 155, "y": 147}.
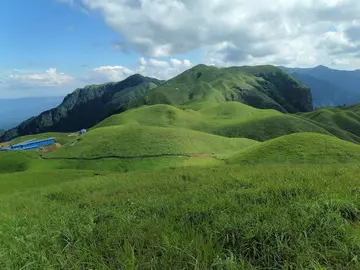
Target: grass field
{"x": 200, "y": 186}
{"x": 228, "y": 217}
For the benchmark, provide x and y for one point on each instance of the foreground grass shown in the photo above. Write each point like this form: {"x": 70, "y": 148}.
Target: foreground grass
{"x": 228, "y": 217}
{"x": 23, "y": 181}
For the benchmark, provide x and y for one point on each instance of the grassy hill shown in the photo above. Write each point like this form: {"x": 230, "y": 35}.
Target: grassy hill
{"x": 13, "y": 162}
{"x": 300, "y": 148}
{"x": 261, "y": 87}
{"x": 142, "y": 141}
{"x": 230, "y": 119}
{"x": 344, "y": 119}
{"x": 85, "y": 107}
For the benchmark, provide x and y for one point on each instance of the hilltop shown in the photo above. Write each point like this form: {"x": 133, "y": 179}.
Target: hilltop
{"x": 264, "y": 87}
{"x": 300, "y": 148}
{"x": 85, "y": 107}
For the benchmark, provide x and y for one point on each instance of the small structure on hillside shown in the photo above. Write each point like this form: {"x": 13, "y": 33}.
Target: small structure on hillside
{"x": 83, "y": 131}
{"x": 29, "y": 145}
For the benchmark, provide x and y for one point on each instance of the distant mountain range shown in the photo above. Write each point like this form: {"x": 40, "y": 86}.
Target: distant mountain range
{"x": 329, "y": 87}
{"x": 14, "y": 111}
{"x": 85, "y": 107}
{"x": 264, "y": 87}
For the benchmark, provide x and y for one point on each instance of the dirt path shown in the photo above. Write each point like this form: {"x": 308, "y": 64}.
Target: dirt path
{"x": 202, "y": 155}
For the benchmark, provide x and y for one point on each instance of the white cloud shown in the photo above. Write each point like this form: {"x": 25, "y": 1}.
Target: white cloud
{"x": 157, "y": 63}
{"x": 236, "y": 31}
{"x": 113, "y": 73}
{"x": 48, "y": 78}
{"x": 163, "y": 69}
{"x": 151, "y": 67}
{"x": 21, "y": 83}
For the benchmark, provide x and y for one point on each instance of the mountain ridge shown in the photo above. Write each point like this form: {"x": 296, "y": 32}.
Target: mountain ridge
{"x": 330, "y": 87}
{"x": 85, "y": 107}
{"x": 264, "y": 87}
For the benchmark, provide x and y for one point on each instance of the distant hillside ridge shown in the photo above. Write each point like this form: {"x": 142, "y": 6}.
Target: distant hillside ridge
{"x": 329, "y": 87}
{"x": 263, "y": 87}
{"x": 86, "y": 107}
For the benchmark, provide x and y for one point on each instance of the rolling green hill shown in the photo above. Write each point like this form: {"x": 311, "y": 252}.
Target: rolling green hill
{"x": 13, "y": 162}
{"x": 300, "y": 148}
{"x": 343, "y": 119}
{"x": 85, "y": 107}
{"x": 139, "y": 141}
{"x": 264, "y": 87}
{"x": 230, "y": 119}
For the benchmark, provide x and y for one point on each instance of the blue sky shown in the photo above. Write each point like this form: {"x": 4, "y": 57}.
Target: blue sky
{"x": 50, "y": 47}
{"x": 47, "y": 33}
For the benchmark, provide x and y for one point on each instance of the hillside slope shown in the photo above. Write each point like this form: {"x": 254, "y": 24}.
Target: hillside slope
{"x": 86, "y": 107}
{"x": 230, "y": 119}
{"x": 141, "y": 141}
{"x": 300, "y": 148}
{"x": 264, "y": 87}
{"x": 344, "y": 119}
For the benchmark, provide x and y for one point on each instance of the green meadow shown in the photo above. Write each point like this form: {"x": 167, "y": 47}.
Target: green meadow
{"x": 195, "y": 183}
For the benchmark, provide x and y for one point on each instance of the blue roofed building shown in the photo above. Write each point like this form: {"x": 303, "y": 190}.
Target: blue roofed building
{"x": 29, "y": 145}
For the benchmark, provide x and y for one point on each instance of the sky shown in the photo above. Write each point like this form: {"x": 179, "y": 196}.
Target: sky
{"x": 51, "y": 47}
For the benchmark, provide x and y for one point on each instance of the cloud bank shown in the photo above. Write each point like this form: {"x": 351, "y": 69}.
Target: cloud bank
{"x": 291, "y": 32}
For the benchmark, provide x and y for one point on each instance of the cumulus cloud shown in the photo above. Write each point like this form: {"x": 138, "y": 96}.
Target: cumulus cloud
{"x": 20, "y": 83}
{"x": 163, "y": 69}
{"x": 48, "y": 78}
{"x": 113, "y": 73}
{"x": 235, "y": 31}
{"x": 151, "y": 67}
